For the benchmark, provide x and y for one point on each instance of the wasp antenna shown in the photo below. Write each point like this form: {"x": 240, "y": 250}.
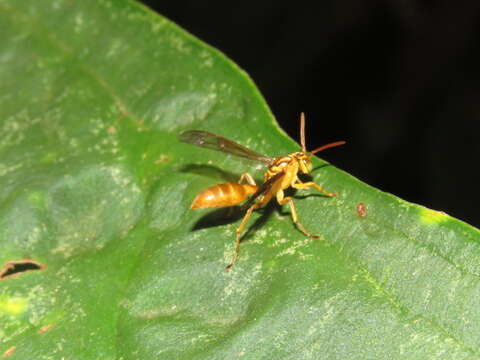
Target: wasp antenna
{"x": 302, "y": 132}
{"x": 327, "y": 146}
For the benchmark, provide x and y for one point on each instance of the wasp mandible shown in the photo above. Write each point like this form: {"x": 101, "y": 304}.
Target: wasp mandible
{"x": 281, "y": 174}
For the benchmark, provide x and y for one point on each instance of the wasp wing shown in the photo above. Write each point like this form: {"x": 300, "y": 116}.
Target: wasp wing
{"x": 266, "y": 186}
{"x": 215, "y": 142}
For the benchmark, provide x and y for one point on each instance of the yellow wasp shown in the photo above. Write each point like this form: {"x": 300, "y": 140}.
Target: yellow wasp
{"x": 281, "y": 174}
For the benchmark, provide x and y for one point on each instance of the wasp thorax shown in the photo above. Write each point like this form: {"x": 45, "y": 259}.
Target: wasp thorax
{"x": 281, "y": 162}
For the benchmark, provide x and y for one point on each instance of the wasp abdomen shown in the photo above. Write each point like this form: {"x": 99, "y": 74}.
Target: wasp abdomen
{"x": 221, "y": 195}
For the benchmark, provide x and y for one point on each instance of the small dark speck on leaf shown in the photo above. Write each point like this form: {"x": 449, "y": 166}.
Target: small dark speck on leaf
{"x": 16, "y": 267}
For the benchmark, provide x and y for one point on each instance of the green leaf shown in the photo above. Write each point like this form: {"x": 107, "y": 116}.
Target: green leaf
{"x": 95, "y": 202}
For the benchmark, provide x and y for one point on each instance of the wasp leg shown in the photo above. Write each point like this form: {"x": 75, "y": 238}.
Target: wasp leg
{"x": 306, "y": 185}
{"x": 248, "y": 177}
{"x": 239, "y": 234}
{"x": 281, "y": 200}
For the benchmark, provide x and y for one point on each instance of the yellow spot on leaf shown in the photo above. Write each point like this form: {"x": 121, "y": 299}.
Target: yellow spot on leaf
{"x": 429, "y": 216}
{"x": 13, "y": 305}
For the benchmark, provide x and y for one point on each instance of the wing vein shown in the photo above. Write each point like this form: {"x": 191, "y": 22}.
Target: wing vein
{"x": 211, "y": 141}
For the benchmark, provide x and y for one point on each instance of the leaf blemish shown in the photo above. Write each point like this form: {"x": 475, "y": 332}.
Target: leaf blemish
{"x": 16, "y": 267}
{"x": 361, "y": 209}
{"x": 9, "y": 351}
{"x": 44, "y": 329}
{"x": 162, "y": 158}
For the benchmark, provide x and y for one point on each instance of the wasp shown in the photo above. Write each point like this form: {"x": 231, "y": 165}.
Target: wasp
{"x": 282, "y": 173}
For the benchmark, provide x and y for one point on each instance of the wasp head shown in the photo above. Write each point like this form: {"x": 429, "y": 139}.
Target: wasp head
{"x": 304, "y": 162}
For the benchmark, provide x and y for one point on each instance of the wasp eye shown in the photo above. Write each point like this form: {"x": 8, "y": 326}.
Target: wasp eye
{"x": 307, "y": 165}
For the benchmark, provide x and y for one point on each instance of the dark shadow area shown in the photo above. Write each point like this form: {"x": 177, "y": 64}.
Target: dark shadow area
{"x": 219, "y": 217}
{"x": 265, "y": 212}
{"x": 210, "y": 171}
{"x": 319, "y": 167}
{"x": 224, "y": 216}
{"x": 314, "y": 194}
{"x": 299, "y": 195}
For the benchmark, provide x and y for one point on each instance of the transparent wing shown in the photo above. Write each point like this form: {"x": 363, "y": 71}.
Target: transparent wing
{"x": 267, "y": 185}
{"x": 215, "y": 142}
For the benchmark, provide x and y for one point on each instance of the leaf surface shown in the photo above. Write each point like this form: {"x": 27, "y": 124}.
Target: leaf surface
{"x": 96, "y": 191}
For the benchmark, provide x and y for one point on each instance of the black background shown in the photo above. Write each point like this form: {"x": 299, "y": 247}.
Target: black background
{"x": 399, "y": 80}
